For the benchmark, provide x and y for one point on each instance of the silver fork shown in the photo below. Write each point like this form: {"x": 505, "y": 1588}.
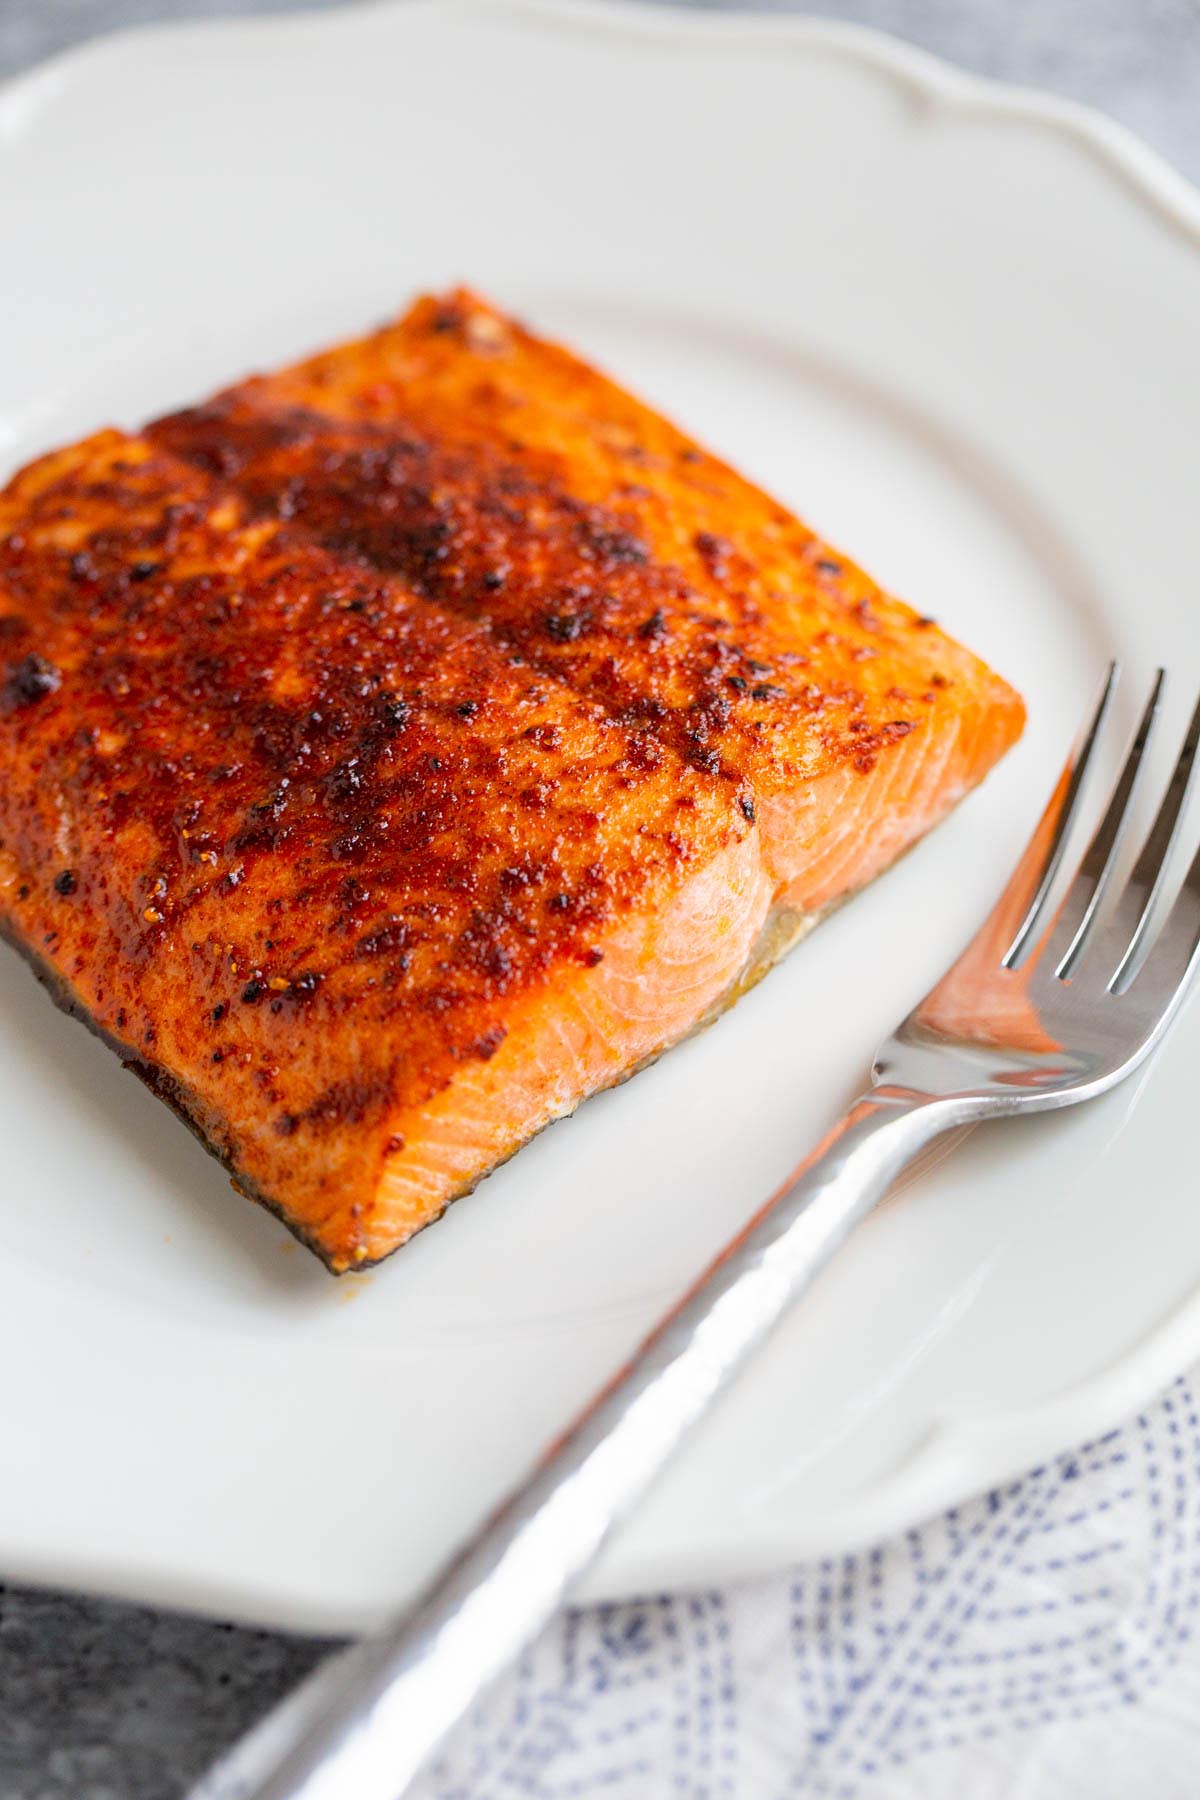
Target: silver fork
{"x": 1043, "y": 1009}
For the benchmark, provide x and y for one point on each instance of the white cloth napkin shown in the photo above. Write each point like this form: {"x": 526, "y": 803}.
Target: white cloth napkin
{"x": 1032, "y": 1645}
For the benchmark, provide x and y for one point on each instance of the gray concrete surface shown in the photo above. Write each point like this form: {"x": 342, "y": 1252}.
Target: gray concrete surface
{"x": 107, "y": 1702}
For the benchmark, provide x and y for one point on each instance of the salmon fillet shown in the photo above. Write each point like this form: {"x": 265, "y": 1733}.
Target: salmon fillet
{"x": 400, "y": 748}
{"x": 504, "y": 478}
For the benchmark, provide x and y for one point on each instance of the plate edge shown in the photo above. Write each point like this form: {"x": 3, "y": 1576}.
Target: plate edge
{"x": 1140, "y": 169}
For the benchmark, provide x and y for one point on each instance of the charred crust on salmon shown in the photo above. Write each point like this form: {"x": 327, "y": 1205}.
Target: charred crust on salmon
{"x": 30, "y": 679}
{"x": 397, "y": 749}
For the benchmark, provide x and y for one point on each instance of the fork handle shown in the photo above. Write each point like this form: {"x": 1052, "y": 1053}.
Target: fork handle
{"x": 369, "y": 1718}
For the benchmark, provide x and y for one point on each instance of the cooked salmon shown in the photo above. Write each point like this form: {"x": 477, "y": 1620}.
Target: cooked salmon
{"x": 502, "y": 477}
{"x": 398, "y": 749}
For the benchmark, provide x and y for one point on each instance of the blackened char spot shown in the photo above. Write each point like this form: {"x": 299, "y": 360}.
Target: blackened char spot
{"x": 28, "y": 680}
{"x": 714, "y": 553}
{"x": 394, "y": 711}
{"x": 415, "y": 547}
{"x": 485, "y": 1047}
{"x": 345, "y": 781}
{"x": 609, "y": 544}
{"x": 350, "y": 1102}
{"x": 496, "y": 961}
{"x": 389, "y": 939}
{"x": 564, "y": 628}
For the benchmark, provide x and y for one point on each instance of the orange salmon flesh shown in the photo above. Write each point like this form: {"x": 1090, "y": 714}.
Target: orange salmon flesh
{"x": 400, "y": 748}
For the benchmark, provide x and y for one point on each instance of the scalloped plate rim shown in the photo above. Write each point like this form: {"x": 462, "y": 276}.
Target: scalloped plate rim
{"x": 1008, "y": 1440}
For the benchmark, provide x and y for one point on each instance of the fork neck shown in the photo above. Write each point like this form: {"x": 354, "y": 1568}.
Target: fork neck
{"x": 876, "y": 1138}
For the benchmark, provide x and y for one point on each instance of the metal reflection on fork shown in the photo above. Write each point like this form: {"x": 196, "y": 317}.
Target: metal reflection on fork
{"x": 1063, "y": 1005}
{"x": 1048, "y": 1005}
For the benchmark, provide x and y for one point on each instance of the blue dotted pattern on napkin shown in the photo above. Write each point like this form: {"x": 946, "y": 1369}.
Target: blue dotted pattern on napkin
{"x": 1053, "y": 1599}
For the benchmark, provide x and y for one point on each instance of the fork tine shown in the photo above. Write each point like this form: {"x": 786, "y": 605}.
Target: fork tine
{"x": 1124, "y": 932}
{"x": 1173, "y": 955}
{"x": 1044, "y": 853}
{"x": 1072, "y": 925}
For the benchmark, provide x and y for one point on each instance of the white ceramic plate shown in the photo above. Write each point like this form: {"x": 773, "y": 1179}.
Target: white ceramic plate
{"x": 957, "y": 328}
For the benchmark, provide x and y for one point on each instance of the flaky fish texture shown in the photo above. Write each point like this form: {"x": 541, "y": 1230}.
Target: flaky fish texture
{"x": 397, "y": 749}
